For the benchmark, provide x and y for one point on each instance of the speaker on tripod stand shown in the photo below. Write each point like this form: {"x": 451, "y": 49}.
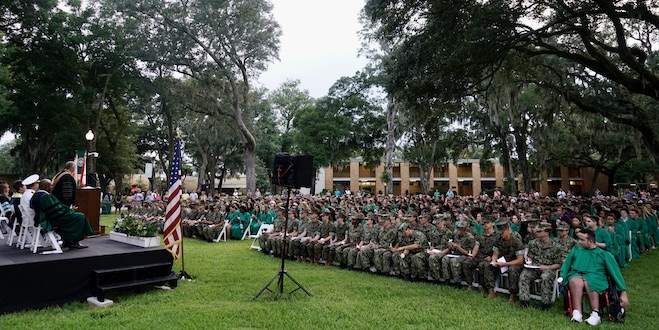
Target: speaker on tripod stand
{"x": 290, "y": 171}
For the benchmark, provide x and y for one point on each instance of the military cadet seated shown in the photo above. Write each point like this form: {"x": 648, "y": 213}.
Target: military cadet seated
{"x": 543, "y": 260}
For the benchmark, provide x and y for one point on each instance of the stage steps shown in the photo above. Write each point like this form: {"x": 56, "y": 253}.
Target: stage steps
{"x": 104, "y": 280}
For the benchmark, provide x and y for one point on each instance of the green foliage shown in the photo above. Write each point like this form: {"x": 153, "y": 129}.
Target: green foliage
{"x": 583, "y": 52}
{"x": 347, "y": 122}
{"x": 135, "y": 227}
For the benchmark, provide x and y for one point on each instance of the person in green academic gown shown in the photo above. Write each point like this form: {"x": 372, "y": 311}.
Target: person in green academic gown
{"x": 586, "y": 270}
{"x": 51, "y": 213}
{"x": 630, "y": 235}
{"x": 236, "y": 220}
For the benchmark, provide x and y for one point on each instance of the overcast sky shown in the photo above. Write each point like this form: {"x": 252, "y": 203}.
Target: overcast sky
{"x": 319, "y": 43}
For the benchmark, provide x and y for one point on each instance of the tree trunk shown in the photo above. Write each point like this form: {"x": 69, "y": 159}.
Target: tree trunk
{"x": 391, "y": 139}
{"x": 520, "y": 140}
{"x": 219, "y": 185}
{"x": 593, "y": 185}
{"x": 507, "y": 159}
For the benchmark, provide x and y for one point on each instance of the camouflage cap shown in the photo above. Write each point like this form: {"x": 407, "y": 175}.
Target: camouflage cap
{"x": 543, "y": 226}
{"x": 425, "y": 215}
{"x": 405, "y": 219}
{"x": 502, "y": 222}
{"x": 371, "y": 216}
{"x": 341, "y": 215}
{"x": 488, "y": 219}
{"x": 357, "y": 216}
{"x": 412, "y": 214}
{"x": 461, "y": 224}
{"x": 563, "y": 226}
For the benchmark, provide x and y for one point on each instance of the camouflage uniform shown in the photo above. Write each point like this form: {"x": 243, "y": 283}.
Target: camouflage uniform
{"x": 420, "y": 260}
{"x": 295, "y": 246}
{"x": 382, "y": 258}
{"x": 266, "y": 241}
{"x": 435, "y": 260}
{"x": 566, "y": 245}
{"x": 541, "y": 254}
{"x": 402, "y": 265}
{"x": 316, "y": 250}
{"x": 278, "y": 242}
{"x": 365, "y": 255}
{"x": 329, "y": 251}
{"x": 509, "y": 250}
{"x": 345, "y": 256}
{"x": 211, "y": 231}
{"x": 485, "y": 244}
{"x": 452, "y": 266}
{"x": 313, "y": 230}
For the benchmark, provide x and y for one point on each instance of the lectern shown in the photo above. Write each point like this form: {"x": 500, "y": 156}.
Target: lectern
{"x": 88, "y": 201}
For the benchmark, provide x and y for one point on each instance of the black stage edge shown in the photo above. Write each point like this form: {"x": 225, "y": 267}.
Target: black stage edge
{"x": 33, "y": 281}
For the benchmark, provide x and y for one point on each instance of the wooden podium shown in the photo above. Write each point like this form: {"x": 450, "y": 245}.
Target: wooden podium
{"x": 88, "y": 201}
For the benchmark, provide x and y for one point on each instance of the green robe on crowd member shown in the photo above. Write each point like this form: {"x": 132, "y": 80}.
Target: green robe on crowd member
{"x": 622, "y": 235}
{"x": 51, "y": 213}
{"x": 644, "y": 227}
{"x": 235, "y": 219}
{"x": 594, "y": 265}
{"x": 632, "y": 227}
{"x": 653, "y": 231}
{"x": 601, "y": 236}
{"x": 613, "y": 240}
{"x": 263, "y": 218}
{"x": 476, "y": 227}
{"x": 514, "y": 227}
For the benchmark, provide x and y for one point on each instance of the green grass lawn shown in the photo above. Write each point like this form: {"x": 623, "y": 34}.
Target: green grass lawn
{"x": 228, "y": 275}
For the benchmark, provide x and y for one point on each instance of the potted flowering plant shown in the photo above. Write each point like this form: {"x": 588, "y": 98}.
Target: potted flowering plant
{"x": 135, "y": 231}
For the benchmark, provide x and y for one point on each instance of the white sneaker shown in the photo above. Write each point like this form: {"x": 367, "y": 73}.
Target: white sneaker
{"x": 576, "y": 316}
{"x": 594, "y": 318}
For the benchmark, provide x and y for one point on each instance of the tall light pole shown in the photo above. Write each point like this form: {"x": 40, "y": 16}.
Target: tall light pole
{"x": 90, "y": 158}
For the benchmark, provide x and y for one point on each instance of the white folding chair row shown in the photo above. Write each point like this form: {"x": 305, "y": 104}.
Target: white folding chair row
{"x": 248, "y": 230}
{"x": 31, "y": 236}
{"x": 4, "y": 223}
{"x": 25, "y": 236}
{"x": 12, "y": 233}
{"x": 222, "y": 236}
{"x": 264, "y": 228}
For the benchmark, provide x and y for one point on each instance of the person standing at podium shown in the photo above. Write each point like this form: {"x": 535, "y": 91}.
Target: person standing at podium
{"x": 64, "y": 185}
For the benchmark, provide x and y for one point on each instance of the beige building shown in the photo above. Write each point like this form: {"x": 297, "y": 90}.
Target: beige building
{"x": 465, "y": 176}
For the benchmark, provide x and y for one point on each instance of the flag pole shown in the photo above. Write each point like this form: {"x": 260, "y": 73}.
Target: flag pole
{"x": 183, "y": 275}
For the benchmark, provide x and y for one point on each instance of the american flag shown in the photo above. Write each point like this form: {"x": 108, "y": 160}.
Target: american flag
{"x": 172, "y": 233}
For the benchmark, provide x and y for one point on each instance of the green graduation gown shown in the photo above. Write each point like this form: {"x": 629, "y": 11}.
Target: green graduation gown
{"x": 593, "y": 265}
{"x": 51, "y": 213}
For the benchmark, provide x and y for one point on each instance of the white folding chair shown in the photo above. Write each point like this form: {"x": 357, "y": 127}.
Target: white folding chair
{"x": 264, "y": 228}
{"x": 12, "y": 233}
{"x": 49, "y": 237}
{"x": 223, "y": 234}
{"x": 25, "y": 236}
{"x": 248, "y": 230}
{"x": 4, "y": 223}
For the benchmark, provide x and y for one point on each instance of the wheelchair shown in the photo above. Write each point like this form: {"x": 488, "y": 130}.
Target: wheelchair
{"x": 609, "y": 303}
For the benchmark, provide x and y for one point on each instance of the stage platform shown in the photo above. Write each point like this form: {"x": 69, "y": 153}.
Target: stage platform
{"x": 32, "y": 281}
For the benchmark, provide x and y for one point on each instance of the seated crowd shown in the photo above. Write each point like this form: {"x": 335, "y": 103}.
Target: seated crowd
{"x": 438, "y": 239}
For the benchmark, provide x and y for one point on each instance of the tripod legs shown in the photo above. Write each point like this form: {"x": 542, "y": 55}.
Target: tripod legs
{"x": 280, "y": 285}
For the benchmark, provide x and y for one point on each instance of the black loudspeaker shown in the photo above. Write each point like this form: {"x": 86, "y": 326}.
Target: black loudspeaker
{"x": 91, "y": 180}
{"x": 292, "y": 170}
{"x": 304, "y": 171}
